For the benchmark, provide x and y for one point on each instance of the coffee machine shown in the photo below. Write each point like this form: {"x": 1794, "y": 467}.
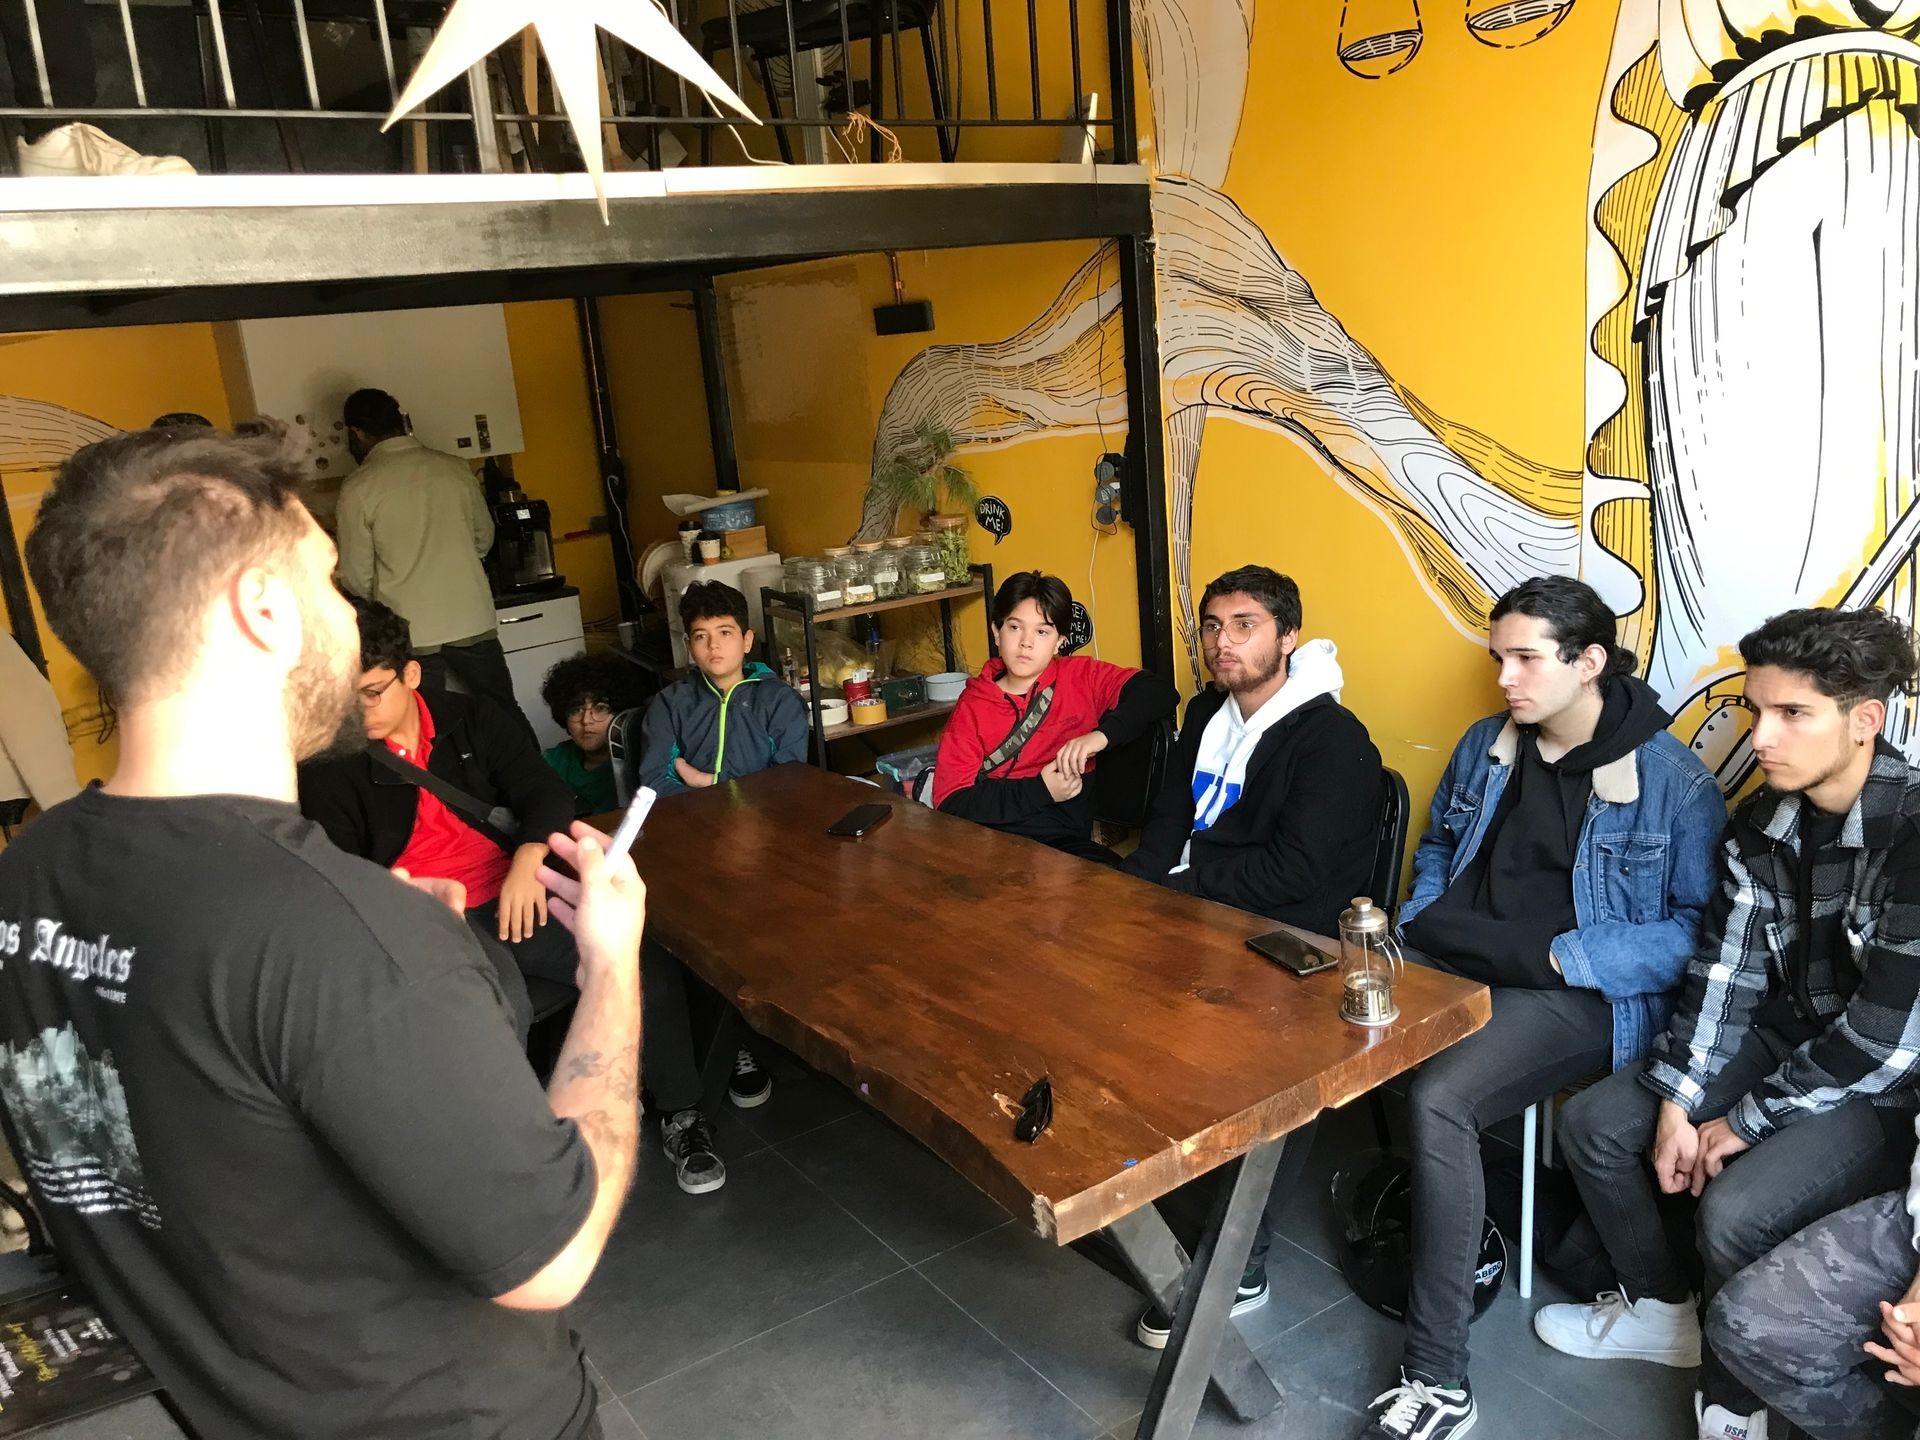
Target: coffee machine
{"x": 522, "y": 553}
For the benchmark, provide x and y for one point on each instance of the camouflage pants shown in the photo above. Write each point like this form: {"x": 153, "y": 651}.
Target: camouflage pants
{"x": 1791, "y": 1324}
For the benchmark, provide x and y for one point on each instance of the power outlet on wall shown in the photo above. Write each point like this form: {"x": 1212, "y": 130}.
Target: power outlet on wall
{"x": 1107, "y": 475}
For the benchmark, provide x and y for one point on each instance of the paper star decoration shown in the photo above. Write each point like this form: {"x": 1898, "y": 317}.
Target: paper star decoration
{"x": 474, "y": 28}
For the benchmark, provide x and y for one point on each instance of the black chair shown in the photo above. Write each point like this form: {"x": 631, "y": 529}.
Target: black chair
{"x": 1126, "y": 780}
{"x": 623, "y": 751}
{"x": 1384, "y": 886}
{"x": 817, "y": 24}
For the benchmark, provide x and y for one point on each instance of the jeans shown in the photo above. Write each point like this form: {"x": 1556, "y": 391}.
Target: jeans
{"x": 1187, "y": 1209}
{"x": 480, "y": 670}
{"x": 1792, "y": 1178}
{"x": 1537, "y": 1043}
{"x": 1791, "y": 1325}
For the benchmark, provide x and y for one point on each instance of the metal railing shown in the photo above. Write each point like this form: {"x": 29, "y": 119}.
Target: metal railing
{"x": 298, "y": 85}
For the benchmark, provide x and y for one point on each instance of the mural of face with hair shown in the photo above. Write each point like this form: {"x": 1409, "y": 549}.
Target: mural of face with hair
{"x": 1752, "y": 303}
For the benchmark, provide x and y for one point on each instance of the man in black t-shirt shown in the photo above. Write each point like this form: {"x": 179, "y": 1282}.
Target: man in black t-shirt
{"x": 268, "y": 1096}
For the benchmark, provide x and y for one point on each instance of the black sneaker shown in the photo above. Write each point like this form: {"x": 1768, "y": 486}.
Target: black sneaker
{"x": 750, "y": 1085}
{"x": 1419, "y": 1409}
{"x": 1156, "y": 1325}
{"x": 688, "y": 1140}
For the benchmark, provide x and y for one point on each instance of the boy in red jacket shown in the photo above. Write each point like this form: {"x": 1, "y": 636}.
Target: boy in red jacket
{"x": 1020, "y": 745}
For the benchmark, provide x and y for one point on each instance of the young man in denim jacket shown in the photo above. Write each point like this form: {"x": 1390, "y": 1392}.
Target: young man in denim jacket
{"x": 1567, "y": 860}
{"x": 1784, "y": 1086}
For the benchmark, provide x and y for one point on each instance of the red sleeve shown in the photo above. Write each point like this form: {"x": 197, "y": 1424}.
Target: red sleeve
{"x": 962, "y": 748}
{"x": 1104, "y": 683}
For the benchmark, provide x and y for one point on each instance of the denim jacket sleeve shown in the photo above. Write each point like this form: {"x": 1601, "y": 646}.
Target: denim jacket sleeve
{"x": 1621, "y": 959}
{"x": 1433, "y": 856}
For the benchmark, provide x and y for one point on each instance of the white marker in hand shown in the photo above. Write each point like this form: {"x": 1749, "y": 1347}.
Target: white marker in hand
{"x": 631, "y": 822}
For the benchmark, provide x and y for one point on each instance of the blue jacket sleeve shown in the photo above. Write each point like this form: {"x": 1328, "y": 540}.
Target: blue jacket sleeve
{"x": 789, "y": 726}
{"x": 658, "y": 746}
{"x": 1621, "y": 959}
{"x": 1433, "y": 857}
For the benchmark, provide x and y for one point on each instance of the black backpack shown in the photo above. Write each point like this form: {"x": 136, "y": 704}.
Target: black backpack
{"x": 1373, "y": 1198}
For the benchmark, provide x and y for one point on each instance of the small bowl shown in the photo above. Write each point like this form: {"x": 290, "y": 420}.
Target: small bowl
{"x": 833, "y": 712}
{"x": 946, "y": 686}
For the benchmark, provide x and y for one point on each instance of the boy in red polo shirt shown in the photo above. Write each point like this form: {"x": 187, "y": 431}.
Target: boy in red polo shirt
{"x": 369, "y": 806}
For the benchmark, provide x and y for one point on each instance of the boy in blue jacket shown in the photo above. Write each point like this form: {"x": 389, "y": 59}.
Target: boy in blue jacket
{"x": 730, "y": 717}
{"x": 1567, "y": 861}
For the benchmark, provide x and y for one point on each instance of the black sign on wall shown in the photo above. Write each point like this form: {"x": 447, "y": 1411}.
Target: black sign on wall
{"x": 1079, "y": 630}
{"x": 995, "y": 517}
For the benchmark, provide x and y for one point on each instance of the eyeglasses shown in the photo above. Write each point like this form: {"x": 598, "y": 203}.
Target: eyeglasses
{"x": 1036, "y": 1111}
{"x": 370, "y": 696}
{"x": 594, "y": 710}
{"x": 1240, "y": 627}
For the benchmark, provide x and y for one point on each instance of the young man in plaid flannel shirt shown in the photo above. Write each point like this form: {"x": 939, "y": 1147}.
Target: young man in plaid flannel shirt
{"x": 1785, "y": 1084}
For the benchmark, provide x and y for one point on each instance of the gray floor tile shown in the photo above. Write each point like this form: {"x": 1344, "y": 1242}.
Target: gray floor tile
{"x": 917, "y": 1204}
{"x": 1061, "y": 1313}
{"x": 142, "y": 1419}
{"x": 686, "y": 1276}
{"x": 895, "y": 1360}
{"x": 1074, "y": 1322}
{"x": 1300, "y": 1417}
{"x": 618, "y": 1424}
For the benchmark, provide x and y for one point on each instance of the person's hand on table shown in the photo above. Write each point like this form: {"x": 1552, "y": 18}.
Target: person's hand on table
{"x": 1718, "y": 1144}
{"x": 523, "y": 899}
{"x": 1060, "y": 784}
{"x": 1078, "y": 753}
{"x": 691, "y": 778}
{"x": 450, "y": 893}
{"x": 1676, "y": 1146}
{"x": 605, "y": 909}
{"x": 1900, "y": 1322}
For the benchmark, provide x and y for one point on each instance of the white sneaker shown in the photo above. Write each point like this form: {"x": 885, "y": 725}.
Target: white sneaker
{"x": 87, "y": 150}
{"x": 1615, "y": 1328}
{"x": 1719, "y": 1423}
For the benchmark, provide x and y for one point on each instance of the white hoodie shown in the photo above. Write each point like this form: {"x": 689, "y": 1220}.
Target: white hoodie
{"x": 1230, "y": 739}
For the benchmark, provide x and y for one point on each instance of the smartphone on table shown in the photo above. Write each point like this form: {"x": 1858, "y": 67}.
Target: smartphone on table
{"x": 1289, "y": 950}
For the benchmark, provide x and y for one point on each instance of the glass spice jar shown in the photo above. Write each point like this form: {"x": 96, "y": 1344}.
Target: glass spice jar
{"x": 950, "y": 538}
{"x": 856, "y": 578}
{"x": 920, "y": 564}
{"x": 883, "y": 568}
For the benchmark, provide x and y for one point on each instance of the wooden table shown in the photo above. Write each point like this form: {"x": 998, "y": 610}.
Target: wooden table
{"x": 938, "y": 968}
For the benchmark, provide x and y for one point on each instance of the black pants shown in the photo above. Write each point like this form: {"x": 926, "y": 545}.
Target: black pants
{"x": 548, "y": 953}
{"x": 68, "y": 49}
{"x": 667, "y": 1065}
{"x": 1537, "y": 1043}
{"x": 1810, "y": 1168}
{"x": 479, "y": 669}
{"x": 1187, "y": 1209}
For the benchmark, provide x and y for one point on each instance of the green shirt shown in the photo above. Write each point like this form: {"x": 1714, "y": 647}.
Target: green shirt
{"x": 594, "y": 788}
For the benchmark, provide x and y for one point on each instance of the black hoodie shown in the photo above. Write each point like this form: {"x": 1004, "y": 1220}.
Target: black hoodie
{"x": 1497, "y": 920}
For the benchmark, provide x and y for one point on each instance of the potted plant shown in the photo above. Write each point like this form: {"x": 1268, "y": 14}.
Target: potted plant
{"x": 918, "y": 478}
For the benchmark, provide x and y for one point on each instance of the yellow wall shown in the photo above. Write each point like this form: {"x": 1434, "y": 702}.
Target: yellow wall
{"x": 1438, "y": 214}
{"x": 126, "y": 377}
{"x": 808, "y": 377}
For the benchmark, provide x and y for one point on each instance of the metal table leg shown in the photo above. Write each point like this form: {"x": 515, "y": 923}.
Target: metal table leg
{"x": 1203, "y": 1345}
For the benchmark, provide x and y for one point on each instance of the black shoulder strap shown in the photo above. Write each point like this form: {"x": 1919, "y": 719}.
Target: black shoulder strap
{"x": 1011, "y": 747}
{"x": 468, "y": 807}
